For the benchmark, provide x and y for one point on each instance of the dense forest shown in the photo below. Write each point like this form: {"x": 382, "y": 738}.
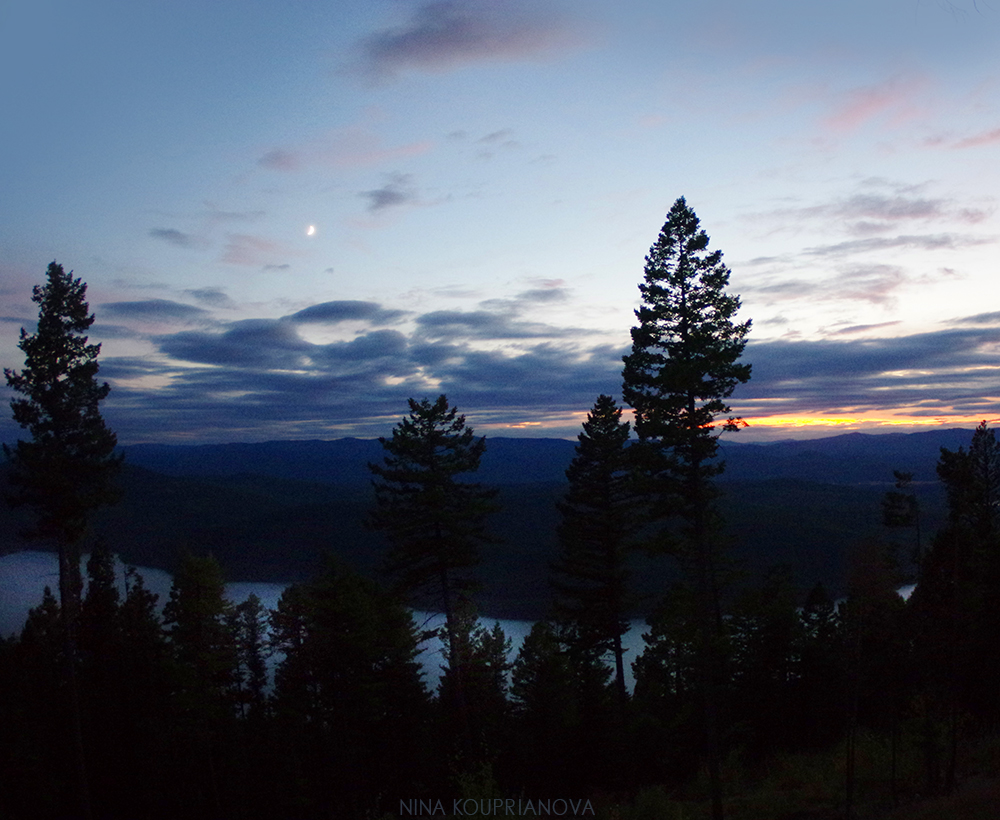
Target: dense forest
{"x": 750, "y": 699}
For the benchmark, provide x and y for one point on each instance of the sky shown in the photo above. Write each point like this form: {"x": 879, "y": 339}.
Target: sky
{"x": 294, "y": 216}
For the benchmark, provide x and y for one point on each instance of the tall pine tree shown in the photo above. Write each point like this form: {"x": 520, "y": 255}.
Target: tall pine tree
{"x": 683, "y": 366}
{"x": 598, "y": 517}
{"x": 434, "y": 523}
{"x": 66, "y": 470}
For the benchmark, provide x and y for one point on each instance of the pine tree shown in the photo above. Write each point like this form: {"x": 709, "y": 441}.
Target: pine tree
{"x": 433, "y": 522}
{"x": 598, "y": 517}
{"x": 349, "y": 688}
{"x": 820, "y": 687}
{"x": 953, "y": 605}
{"x": 248, "y": 625}
{"x": 902, "y": 509}
{"x": 546, "y": 711}
{"x": 682, "y": 368}
{"x": 65, "y": 471}
{"x": 203, "y": 671}
{"x": 195, "y": 619}
{"x": 481, "y": 665}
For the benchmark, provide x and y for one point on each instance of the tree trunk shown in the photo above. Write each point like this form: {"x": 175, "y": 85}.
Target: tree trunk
{"x": 709, "y": 650}
{"x": 70, "y": 587}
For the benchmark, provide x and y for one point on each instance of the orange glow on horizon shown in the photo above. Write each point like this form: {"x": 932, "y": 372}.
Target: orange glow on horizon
{"x": 863, "y": 420}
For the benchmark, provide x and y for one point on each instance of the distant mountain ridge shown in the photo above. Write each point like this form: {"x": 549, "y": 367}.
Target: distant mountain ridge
{"x": 851, "y": 458}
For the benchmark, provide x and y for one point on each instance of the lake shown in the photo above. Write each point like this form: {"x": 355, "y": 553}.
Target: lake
{"x": 24, "y": 576}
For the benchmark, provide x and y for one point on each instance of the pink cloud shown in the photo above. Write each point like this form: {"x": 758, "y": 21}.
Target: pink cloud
{"x": 986, "y": 138}
{"x": 892, "y": 97}
{"x": 352, "y": 147}
{"x": 254, "y": 251}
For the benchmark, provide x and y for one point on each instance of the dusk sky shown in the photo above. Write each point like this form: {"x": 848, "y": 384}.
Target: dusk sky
{"x": 292, "y": 216}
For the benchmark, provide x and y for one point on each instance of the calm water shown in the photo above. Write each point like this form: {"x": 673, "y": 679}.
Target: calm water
{"x": 24, "y": 576}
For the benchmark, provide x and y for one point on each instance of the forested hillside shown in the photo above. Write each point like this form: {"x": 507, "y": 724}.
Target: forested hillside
{"x": 271, "y": 511}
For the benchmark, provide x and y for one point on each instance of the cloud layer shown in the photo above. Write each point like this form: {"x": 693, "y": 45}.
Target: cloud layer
{"x": 262, "y": 378}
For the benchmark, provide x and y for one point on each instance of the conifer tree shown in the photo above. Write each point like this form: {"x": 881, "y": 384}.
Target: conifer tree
{"x": 349, "y": 688}
{"x": 953, "y": 605}
{"x": 65, "y": 471}
{"x": 481, "y": 665}
{"x": 598, "y": 517}
{"x": 682, "y": 368}
{"x": 195, "y": 619}
{"x": 546, "y": 710}
{"x": 434, "y": 523}
{"x": 249, "y": 627}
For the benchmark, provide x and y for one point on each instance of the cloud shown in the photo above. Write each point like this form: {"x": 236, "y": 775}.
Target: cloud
{"x": 397, "y": 191}
{"x": 992, "y": 318}
{"x": 280, "y": 159}
{"x": 496, "y": 139}
{"x": 174, "y": 237}
{"x": 483, "y": 324}
{"x": 879, "y": 211}
{"x": 259, "y": 378}
{"x": 551, "y": 294}
{"x": 255, "y": 343}
{"x": 284, "y": 266}
{"x": 931, "y": 370}
{"x": 985, "y": 138}
{"x": 163, "y": 310}
{"x": 104, "y": 331}
{"x": 215, "y": 297}
{"x": 925, "y": 242}
{"x": 874, "y": 283}
{"x": 252, "y": 251}
{"x": 503, "y": 135}
{"x": 891, "y": 208}
{"x": 449, "y": 33}
{"x": 215, "y": 214}
{"x": 346, "y": 310}
{"x": 847, "y": 331}
{"x": 893, "y": 97}
{"x": 356, "y": 146}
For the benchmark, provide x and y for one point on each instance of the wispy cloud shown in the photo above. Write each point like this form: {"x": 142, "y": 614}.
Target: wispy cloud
{"x": 254, "y": 251}
{"x": 397, "y": 190}
{"x": 216, "y": 297}
{"x": 356, "y": 146}
{"x": 281, "y": 159}
{"x": 991, "y": 318}
{"x": 856, "y": 329}
{"x": 892, "y": 99}
{"x": 174, "y": 237}
{"x": 449, "y": 33}
{"x": 346, "y": 310}
{"x": 160, "y": 310}
{"x": 925, "y": 242}
{"x": 985, "y": 138}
